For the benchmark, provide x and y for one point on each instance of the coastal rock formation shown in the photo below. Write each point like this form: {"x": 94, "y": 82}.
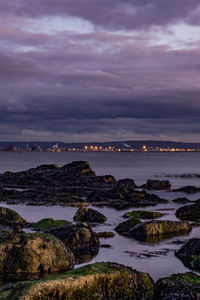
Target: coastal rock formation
{"x": 89, "y": 215}
{"x": 10, "y": 217}
{"x": 189, "y": 254}
{"x": 126, "y": 183}
{"x": 188, "y": 189}
{"x": 124, "y": 227}
{"x": 105, "y": 234}
{"x": 49, "y": 223}
{"x": 158, "y": 228}
{"x": 33, "y": 253}
{"x": 158, "y": 184}
{"x": 79, "y": 238}
{"x": 97, "y": 281}
{"x": 189, "y": 212}
{"x": 181, "y": 200}
{"x": 178, "y": 286}
{"x": 143, "y": 214}
{"x": 122, "y": 198}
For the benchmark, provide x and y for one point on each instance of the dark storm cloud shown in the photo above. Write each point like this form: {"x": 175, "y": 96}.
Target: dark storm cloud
{"x": 99, "y": 84}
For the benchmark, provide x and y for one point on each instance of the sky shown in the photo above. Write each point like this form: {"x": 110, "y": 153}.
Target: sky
{"x": 99, "y": 70}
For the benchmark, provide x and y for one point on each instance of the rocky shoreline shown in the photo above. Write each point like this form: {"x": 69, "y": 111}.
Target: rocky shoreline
{"x": 51, "y": 246}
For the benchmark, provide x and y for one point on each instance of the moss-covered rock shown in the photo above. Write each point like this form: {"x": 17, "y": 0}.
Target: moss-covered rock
{"x": 178, "y": 286}
{"x": 98, "y": 281}
{"x": 33, "y": 253}
{"x": 143, "y": 214}
{"x": 49, "y": 223}
{"x": 189, "y": 212}
{"x": 79, "y": 238}
{"x": 9, "y": 217}
{"x": 159, "y": 228}
{"x": 89, "y": 215}
{"x": 189, "y": 254}
{"x": 126, "y": 226}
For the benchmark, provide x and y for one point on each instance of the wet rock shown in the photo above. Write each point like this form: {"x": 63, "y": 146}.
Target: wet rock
{"x": 89, "y": 215}
{"x": 123, "y": 198}
{"x": 10, "y": 217}
{"x": 79, "y": 238}
{"x": 106, "y": 234}
{"x": 158, "y": 184}
{"x": 105, "y": 246}
{"x": 97, "y": 281}
{"x": 188, "y": 189}
{"x": 185, "y": 286}
{"x": 189, "y": 254}
{"x": 189, "y": 212}
{"x": 126, "y": 183}
{"x": 124, "y": 227}
{"x": 33, "y": 253}
{"x": 158, "y": 228}
{"x": 48, "y": 223}
{"x": 181, "y": 200}
{"x": 143, "y": 214}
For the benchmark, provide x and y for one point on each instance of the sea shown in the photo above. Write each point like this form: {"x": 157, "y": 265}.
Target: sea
{"x": 156, "y": 258}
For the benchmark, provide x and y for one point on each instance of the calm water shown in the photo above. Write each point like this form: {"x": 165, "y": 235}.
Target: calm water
{"x": 140, "y": 167}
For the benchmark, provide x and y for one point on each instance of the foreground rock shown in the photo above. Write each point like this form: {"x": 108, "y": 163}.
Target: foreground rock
{"x": 10, "y": 217}
{"x": 189, "y": 254}
{"x": 158, "y": 228}
{"x": 189, "y": 212}
{"x": 79, "y": 238}
{"x": 89, "y": 215}
{"x": 124, "y": 198}
{"x": 184, "y": 286}
{"x": 158, "y": 184}
{"x": 97, "y": 281}
{"x": 124, "y": 227}
{"x": 143, "y": 214}
{"x": 33, "y": 253}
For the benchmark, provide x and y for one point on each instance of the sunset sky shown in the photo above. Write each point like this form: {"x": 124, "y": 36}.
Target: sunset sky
{"x": 99, "y": 70}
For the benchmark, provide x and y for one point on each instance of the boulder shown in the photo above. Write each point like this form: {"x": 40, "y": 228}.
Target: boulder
{"x": 188, "y": 189}
{"x": 158, "y": 228}
{"x": 143, "y": 214}
{"x": 97, "y": 281}
{"x": 9, "y": 217}
{"x": 33, "y": 253}
{"x": 79, "y": 238}
{"x": 126, "y": 183}
{"x": 49, "y": 223}
{"x": 189, "y": 254}
{"x": 89, "y": 215}
{"x": 181, "y": 200}
{"x": 105, "y": 234}
{"x": 189, "y": 212}
{"x": 185, "y": 286}
{"x": 158, "y": 184}
{"x": 124, "y": 227}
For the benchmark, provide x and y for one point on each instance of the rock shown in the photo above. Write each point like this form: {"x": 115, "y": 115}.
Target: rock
{"x": 97, "y": 281}
{"x": 123, "y": 198}
{"x": 181, "y": 200}
{"x": 158, "y": 228}
{"x": 10, "y": 217}
{"x": 105, "y": 246}
{"x": 126, "y": 183}
{"x": 79, "y": 238}
{"x": 143, "y": 214}
{"x": 188, "y": 189}
{"x": 189, "y": 254}
{"x": 89, "y": 215}
{"x": 189, "y": 212}
{"x": 124, "y": 227}
{"x": 158, "y": 184}
{"x": 185, "y": 286}
{"x": 33, "y": 253}
{"x": 107, "y": 234}
{"x": 49, "y": 223}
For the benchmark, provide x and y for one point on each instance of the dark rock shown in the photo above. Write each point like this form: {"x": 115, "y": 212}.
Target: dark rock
{"x": 10, "y": 217}
{"x": 79, "y": 238}
{"x": 181, "y": 200}
{"x": 158, "y": 184}
{"x": 124, "y": 227}
{"x": 107, "y": 234}
{"x": 188, "y": 189}
{"x": 33, "y": 253}
{"x": 143, "y": 214}
{"x": 189, "y": 212}
{"x": 89, "y": 215}
{"x": 105, "y": 246}
{"x": 159, "y": 228}
{"x": 126, "y": 183}
{"x": 189, "y": 254}
{"x": 185, "y": 286}
{"x": 49, "y": 223}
